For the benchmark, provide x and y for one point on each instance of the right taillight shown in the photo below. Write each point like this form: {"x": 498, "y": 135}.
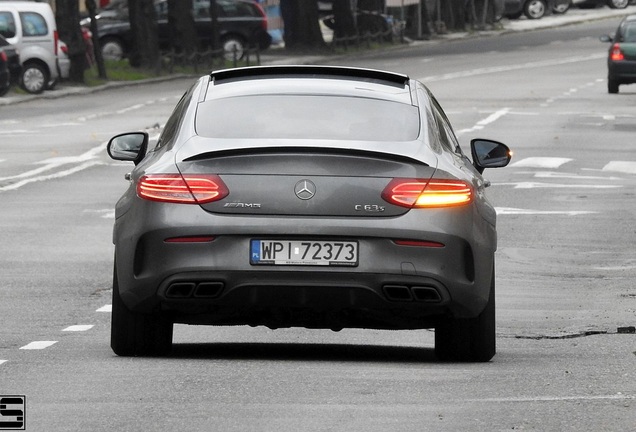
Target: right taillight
{"x": 181, "y": 189}
{"x": 616, "y": 54}
{"x": 419, "y": 193}
{"x": 3, "y": 56}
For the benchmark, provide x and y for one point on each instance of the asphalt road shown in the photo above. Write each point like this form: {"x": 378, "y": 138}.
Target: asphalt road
{"x": 565, "y": 268}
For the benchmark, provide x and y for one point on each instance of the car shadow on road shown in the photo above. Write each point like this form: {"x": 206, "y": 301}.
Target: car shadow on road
{"x": 304, "y": 352}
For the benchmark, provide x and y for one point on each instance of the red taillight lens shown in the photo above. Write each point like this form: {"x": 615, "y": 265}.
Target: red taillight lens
{"x": 186, "y": 189}
{"x": 617, "y": 54}
{"x": 263, "y": 15}
{"x": 56, "y": 37}
{"x": 415, "y": 193}
{"x": 3, "y": 56}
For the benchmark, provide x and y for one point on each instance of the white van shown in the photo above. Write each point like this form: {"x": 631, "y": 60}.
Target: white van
{"x": 31, "y": 27}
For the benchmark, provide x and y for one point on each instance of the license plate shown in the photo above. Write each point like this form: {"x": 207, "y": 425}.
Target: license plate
{"x": 304, "y": 252}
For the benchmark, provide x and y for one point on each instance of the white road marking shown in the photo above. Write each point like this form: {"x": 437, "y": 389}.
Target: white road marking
{"x": 78, "y": 328}
{"x": 104, "y": 213}
{"x": 107, "y": 308}
{"x": 508, "y": 68}
{"x": 618, "y": 396}
{"x": 3, "y": 361}
{"x": 621, "y": 166}
{"x": 483, "y": 123}
{"x": 37, "y": 345}
{"x": 541, "y": 162}
{"x": 518, "y": 211}
{"x": 130, "y": 108}
{"x": 550, "y": 174}
{"x": 52, "y": 163}
{"x": 51, "y": 176}
{"x": 538, "y": 185}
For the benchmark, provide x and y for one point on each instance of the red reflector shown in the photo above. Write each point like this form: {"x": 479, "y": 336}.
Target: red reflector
{"x": 192, "y": 239}
{"x": 186, "y": 189}
{"x": 617, "y": 53}
{"x": 416, "y": 193}
{"x": 419, "y": 243}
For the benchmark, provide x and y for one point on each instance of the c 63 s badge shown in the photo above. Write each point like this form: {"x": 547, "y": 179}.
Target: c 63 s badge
{"x": 369, "y": 208}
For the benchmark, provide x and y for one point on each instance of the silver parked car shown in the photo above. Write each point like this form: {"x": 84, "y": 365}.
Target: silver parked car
{"x": 306, "y": 196}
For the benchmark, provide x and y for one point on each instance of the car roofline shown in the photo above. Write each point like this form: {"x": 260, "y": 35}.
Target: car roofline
{"x": 313, "y": 71}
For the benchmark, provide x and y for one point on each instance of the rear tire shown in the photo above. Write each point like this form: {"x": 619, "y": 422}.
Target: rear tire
{"x": 561, "y": 9}
{"x": 612, "y": 86}
{"x": 234, "y": 48}
{"x": 35, "y": 78}
{"x": 469, "y": 340}
{"x": 136, "y": 334}
{"x": 112, "y": 49}
{"x": 618, "y": 4}
{"x": 534, "y": 9}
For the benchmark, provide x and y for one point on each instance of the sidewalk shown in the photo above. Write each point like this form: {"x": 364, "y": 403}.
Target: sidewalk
{"x": 276, "y": 56}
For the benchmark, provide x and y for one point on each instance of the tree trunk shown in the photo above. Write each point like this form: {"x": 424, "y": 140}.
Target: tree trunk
{"x": 96, "y": 48}
{"x": 302, "y": 27}
{"x": 183, "y": 37}
{"x": 68, "y": 18}
{"x": 344, "y": 23}
{"x": 143, "y": 27}
{"x": 215, "y": 43}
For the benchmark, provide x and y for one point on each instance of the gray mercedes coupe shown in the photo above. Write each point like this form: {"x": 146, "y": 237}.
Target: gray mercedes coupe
{"x": 306, "y": 196}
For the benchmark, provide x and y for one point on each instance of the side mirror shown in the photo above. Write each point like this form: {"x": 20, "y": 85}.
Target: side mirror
{"x": 130, "y": 147}
{"x": 489, "y": 154}
{"x": 606, "y": 38}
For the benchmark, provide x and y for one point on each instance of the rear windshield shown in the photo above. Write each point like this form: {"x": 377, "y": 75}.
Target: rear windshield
{"x": 308, "y": 117}
{"x": 629, "y": 32}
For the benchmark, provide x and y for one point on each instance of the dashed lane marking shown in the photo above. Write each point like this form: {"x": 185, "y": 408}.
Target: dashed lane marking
{"x": 3, "y": 361}
{"x": 106, "y": 308}
{"x": 539, "y": 185}
{"x": 78, "y": 328}
{"x": 541, "y": 162}
{"x": 618, "y": 396}
{"x": 38, "y": 345}
{"x": 621, "y": 166}
{"x": 483, "y": 123}
{"x": 518, "y": 211}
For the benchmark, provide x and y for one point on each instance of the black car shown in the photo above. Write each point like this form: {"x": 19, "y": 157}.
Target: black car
{"x": 242, "y": 24}
{"x": 621, "y": 59}
{"x": 306, "y": 196}
{"x": 13, "y": 60}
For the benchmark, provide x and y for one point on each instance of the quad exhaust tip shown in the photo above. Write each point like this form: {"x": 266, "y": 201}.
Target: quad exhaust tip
{"x": 403, "y": 293}
{"x": 182, "y": 290}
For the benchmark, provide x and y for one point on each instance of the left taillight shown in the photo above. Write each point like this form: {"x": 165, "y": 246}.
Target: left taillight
{"x": 419, "y": 193}
{"x": 616, "y": 53}
{"x": 181, "y": 189}
{"x": 3, "y": 56}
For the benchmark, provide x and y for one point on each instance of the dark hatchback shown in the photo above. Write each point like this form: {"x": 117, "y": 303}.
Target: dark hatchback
{"x": 242, "y": 24}
{"x": 10, "y": 69}
{"x": 306, "y": 196}
{"x": 621, "y": 59}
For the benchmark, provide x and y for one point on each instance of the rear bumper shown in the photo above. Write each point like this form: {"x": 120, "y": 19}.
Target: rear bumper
{"x": 393, "y": 286}
{"x": 624, "y": 71}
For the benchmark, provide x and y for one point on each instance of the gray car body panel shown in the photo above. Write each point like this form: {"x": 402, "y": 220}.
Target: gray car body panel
{"x": 280, "y": 296}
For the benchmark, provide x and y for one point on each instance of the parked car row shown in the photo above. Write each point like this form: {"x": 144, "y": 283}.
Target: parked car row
{"x": 535, "y": 9}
